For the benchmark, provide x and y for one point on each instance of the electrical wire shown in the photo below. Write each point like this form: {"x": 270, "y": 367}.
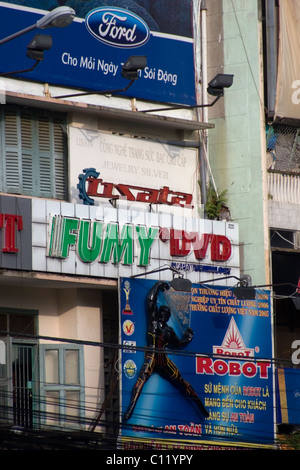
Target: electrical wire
{"x": 80, "y": 417}
{"x": 286, "y": 240}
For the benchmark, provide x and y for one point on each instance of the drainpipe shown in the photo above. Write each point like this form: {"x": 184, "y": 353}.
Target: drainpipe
{"x": 203, "y": 152}
{"x": 271, "y": 56}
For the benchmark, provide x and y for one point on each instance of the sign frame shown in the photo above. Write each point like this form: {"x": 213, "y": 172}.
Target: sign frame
{"x": 237, "y": 384}
{"x": 78, "y": 59}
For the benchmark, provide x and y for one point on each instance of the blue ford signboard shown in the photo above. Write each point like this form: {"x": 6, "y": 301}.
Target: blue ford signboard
{"x": 90, "y": 52}
{"x": 115, "y": 27}
{"x": 208, "y": 377}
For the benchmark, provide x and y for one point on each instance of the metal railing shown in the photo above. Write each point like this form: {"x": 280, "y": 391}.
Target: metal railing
{"x": 284, "y": 187}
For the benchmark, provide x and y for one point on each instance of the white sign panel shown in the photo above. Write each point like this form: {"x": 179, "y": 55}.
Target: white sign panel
{"x": 166, "y": 173}
{"x": 102, "y": 241}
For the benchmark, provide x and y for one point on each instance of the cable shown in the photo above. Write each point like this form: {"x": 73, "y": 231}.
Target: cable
{"x": 286, "y": 240}
{"x": 52, "y": 418}
{"x": 247, "y": 56}
{"x": 82, "y": 415}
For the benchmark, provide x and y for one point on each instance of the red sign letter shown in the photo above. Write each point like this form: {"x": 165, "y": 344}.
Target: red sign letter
{"x": 220, "y": 248}
{"x": 9, "y": 222}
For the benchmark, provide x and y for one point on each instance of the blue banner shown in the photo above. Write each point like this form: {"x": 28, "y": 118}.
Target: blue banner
{"x": 288, "y": 395}
{"x": 89, "y": 53}
{"x": 208, "y": 375}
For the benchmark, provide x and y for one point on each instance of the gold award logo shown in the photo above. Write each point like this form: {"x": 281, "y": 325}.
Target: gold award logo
{"x": 127, "y": 310}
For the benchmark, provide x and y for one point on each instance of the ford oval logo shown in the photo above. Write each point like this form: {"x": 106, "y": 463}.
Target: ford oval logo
{"x": 117, "y": 27}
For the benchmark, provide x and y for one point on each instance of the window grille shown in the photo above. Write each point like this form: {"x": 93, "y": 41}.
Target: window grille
{"x": 283, "y": 148}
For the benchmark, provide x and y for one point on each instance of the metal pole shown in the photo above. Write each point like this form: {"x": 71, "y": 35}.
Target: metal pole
{"x": 202, "y": 156}
{"x": 17, "y": 34}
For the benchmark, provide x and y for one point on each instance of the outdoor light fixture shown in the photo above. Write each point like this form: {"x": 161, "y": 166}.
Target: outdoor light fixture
{"x": 244, "y": 292}
{"x": 215, "y": 88}
{"x": 130, "y": 71}
{"x": 181, "y": 284}
{"x": 216, "y": 85}
{"x": 35, "y": 50}
{"x": 37, "y": 46}
{"x": 132, "y": 65}
{"x": 59, "y": 17}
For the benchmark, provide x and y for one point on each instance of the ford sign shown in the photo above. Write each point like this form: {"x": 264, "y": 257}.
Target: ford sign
{"x": 117, "y": 27}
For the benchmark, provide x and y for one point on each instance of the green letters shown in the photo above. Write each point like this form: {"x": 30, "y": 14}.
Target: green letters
{"x": 68, "y": 235}
{"x": 112, "y": 244}
{"x": 145, "y": 242}
{"x": 93, "y": 242}
{"x": 62, "y": 236}
{"x": 89, "y": 242}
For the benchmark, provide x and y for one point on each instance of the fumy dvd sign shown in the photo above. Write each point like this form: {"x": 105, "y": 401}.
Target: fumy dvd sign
{"x": 207, "y": 377}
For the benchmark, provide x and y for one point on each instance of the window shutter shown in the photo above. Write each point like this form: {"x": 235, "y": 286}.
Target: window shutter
{"x": 12, "y": 170}
{"x": 59, "y": 159}
{"x": 27, "y": 154}
{"x": 34, "y": 150}
{"x": 44, "y": 143}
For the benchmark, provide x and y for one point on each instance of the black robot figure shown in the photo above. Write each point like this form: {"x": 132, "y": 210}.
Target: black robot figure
{"x": 161, "y": 335}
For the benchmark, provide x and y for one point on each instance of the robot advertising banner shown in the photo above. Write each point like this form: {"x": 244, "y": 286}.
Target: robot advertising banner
{"x": 197, "y": 367}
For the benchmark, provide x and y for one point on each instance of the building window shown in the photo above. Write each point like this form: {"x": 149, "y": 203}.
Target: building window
{"x": 283, "y": 148}
{"x": 282, "y": 238}
{"x": 18, "y": 371}
{"x": 18, "y": 322}
{"x": 33, "y": 153}
{"x": 62, "y": 385}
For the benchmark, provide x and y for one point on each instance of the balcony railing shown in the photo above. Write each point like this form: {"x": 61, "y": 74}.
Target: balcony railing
{"x": 284, "y": 187}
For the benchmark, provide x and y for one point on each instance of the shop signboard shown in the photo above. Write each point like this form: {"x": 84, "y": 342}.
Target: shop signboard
{"x": 89, "y": 53}
{"x": 224, "y": 358}
{"x": 111, "y": 166}
{"x": 288, "y": 396}
{"x": 15, "y": 233}
{"x": 104, "y": 241}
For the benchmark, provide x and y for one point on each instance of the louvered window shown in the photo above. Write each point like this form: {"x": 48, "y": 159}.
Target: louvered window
{"x": 33, "y": 153}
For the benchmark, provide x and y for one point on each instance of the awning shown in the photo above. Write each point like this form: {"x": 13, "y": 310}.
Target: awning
{"x": 287, "y": 105}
